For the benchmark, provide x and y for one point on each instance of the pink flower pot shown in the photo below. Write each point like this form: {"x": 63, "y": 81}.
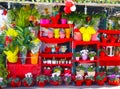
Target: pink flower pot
{"x": 50, "y": 34}
{"x": 62, "y": 35}
{"x": 42, "y": 21}
{"x": 63, "y": 21}
{"x": 47, "y": 21}
{"x": 77, "y": 36}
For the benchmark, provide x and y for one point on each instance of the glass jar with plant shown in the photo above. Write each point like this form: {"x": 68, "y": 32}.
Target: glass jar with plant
{"x": 79, "y": 80}
{"x": 80, "y": 70}
{"x": 91, "y": 70}
{"x": 91, "y": 55}
{"x": 42, "y": 80}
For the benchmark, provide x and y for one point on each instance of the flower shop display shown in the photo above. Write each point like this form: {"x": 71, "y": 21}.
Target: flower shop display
{"x": 14, "y": 81}
{"x": 28, "y": 80}
{"x": 42, "y": 80}
{"x": 79, "y": 80}
{"x": 89, "y": 80}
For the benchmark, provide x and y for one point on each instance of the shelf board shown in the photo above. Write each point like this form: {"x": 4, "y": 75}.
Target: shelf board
{"x": 66, "y": 65}
{"x": 109, "y": 31}
{"x": 62, "y": 4}
{"x": 65, "y": 55}
{"x": 109, "y": 61}
{"x": 75, "y": 43}
{"x": 85, "y": 61}
{"x": 55, "y": 40}
{"x": 57, "y": 25}
{"x": 109, "y": 44}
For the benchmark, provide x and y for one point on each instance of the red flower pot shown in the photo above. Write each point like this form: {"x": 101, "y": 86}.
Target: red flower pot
{"x": 47, "y": 72}
{"x": 88, "y": 82}
{"x": 14, "y": 84}
{"x": 100, "y": 82}
{"x": 55, "y": 83}
{"x": 79, "y": 82}
{"x": 41, "y": 84}
{"x": 102, "y": 53}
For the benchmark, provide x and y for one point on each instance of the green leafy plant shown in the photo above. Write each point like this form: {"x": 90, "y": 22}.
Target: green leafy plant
{"x": 67, "y": 78}
{"x": 56, "y": 78}
{"x": 80, "y": 67}
{"x": 90, "y": 69}
{"x": 77, "y": 54}
{"x": 100, "y": 77}
{"x": 28, "y": 80}
{"x": 91, "y": 54}
{"x": 89, "y": 77}
{"x": 57, "y": 68}
{"x": 15, "y": 79}
{"x": 78, "y": 77}
{"x": 42, "y": 78}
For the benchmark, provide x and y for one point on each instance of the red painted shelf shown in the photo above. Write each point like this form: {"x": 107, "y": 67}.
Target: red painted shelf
{"x": 110, "y": 44}
{"x": 55, "y": 40}
{"x": 69, "y": 65}
{"x": 21, "y": 69}
{"x": 109, "y": 31}
{"x": 86, "y": 61}
{"x": 65, "y": 55}
{"x": 57, "y": 25}
{"x": 109, "y": 61}
{"x": 75, "y": 43}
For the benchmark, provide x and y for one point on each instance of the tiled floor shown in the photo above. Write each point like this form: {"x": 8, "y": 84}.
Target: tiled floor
{"x": 71, "y": 87}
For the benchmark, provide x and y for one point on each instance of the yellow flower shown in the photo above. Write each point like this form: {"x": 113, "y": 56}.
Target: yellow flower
{"x": 35, "y": 41}
{"x": 11, "y": 32}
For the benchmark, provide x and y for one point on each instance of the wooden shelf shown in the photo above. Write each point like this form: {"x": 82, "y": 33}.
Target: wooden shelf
{"x": 109, "y": 31}
{"x": 65, "y": 55}
{"x": 75, "y": 43}
{"x": 62, "y": 4}
{"x": 64, "y": 65}
{"x": 109, "y": 61}
{"x": 57, "y": 25}
{"x": 55, "y": 40}
{"x": 109, "y": 44}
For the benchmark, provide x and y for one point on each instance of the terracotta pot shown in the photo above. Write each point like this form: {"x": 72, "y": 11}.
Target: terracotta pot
{"x": 41, "y": 84}
{"x": 79, "y": 82}
{"x": 100, "y": 82}
{"x": 34, "y": 58}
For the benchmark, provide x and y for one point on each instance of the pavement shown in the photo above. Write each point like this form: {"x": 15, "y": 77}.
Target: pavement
{"x": 69, "y": 87}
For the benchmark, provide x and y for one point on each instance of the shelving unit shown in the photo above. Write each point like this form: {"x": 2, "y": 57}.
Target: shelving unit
{"x": 110, "y": 60}
{"x": 59, "y": 56}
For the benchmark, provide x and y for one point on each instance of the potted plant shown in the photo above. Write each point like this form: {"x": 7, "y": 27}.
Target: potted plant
{"x": 113, "y": 80}
{"x": 80, "y": 70}
{"x": 67, "y": 79}
{"x": 45, "y": 19}
{"x": 77, "y": 56}
{"x": 100, "y": 79}
{"x": 91, "y": 71}
{"x": 89, "y": 80}
{"x": 79, "y": 80}
{"x": 55, "y": 80}
{"x": 28, "y": 80}
{"x": 41, "y": 80}
{"x": 57, "y": 69}
{"x": 47, "y": 71}
{"x": 14, "y": 81}
{"x": 63, "y": 18}
{"x": 84, "y": 54}
{"x": 91, "y": 55}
